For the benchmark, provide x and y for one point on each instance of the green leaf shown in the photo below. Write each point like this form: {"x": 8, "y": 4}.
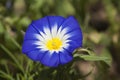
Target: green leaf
{"x": 92, "y": 57}
{"x": 106, "y": 53}
{"x": 12, "y": 57}
{"x": 6, "y": 76}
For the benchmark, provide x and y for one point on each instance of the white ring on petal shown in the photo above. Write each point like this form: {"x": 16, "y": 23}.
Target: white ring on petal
{"x": 52, "y": 33}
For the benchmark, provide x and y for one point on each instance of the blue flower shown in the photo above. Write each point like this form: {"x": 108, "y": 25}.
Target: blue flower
{"x": 51, "y": 40}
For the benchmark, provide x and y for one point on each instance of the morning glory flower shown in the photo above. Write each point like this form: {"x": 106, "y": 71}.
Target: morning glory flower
{"x": 51, "y": 40}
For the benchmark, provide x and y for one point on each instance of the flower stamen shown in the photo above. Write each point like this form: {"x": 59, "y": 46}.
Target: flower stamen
{"x": 54, "y": 44}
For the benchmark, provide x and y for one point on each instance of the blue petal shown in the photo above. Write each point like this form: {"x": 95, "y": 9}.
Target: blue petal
{"x": 40, "y": 24}
{"x": 74, "y": 31}
{"x": 76, "y": 38}
{"x": 72, "y": 46}
{"x": 51, "y": 60}
{"x": 55, "y": 20}
{"x": 29, "y": 45}
{"x": 31, "y": 33}
{"x": 65, "y": 57}
{"x": 36, "y": 55}
{"x": 71, "y": 23}
{"x": 75, "y": 34}
{"x": 48, "y": 22}
{"x": 31, "y": 29}
{"x": 32, "y": 36}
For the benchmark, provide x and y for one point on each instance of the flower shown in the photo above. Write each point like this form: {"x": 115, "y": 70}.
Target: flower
{"x": 51, "y": 40}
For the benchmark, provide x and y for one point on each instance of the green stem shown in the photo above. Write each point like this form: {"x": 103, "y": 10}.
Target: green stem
{"x": 16, "y": 43}
{"x": 6, "y": 76}
{"x": 12, "y": 57}
{"x": 58, "y": 75}
{"x": 83, "y": 50}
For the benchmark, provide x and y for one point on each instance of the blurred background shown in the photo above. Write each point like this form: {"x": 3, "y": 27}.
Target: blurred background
{"x": 99, "y": 20}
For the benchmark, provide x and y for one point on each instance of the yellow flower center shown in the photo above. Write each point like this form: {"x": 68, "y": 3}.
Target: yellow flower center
{"x": 54, "y": 44}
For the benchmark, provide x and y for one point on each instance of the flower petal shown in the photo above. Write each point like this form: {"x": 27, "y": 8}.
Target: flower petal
{"x": 41, "y": 24}
{"x": 33, "y": 36}
{"x": 30, "y": 45}
{"x": 72, "y": 32}
{"x": 51, "y": 60}
{"x": 76, "y": 37}
{"x": 54, "y": 23}
{"x": 36, "y": 55}
{"x": 71, "y": 24}
{"x": 71, "y": 47}
{"x": 47, "y": 22}
{"x": 55, "y": 20}
{"x": 31, "y": 29}
{"x": 65, "y": 57}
